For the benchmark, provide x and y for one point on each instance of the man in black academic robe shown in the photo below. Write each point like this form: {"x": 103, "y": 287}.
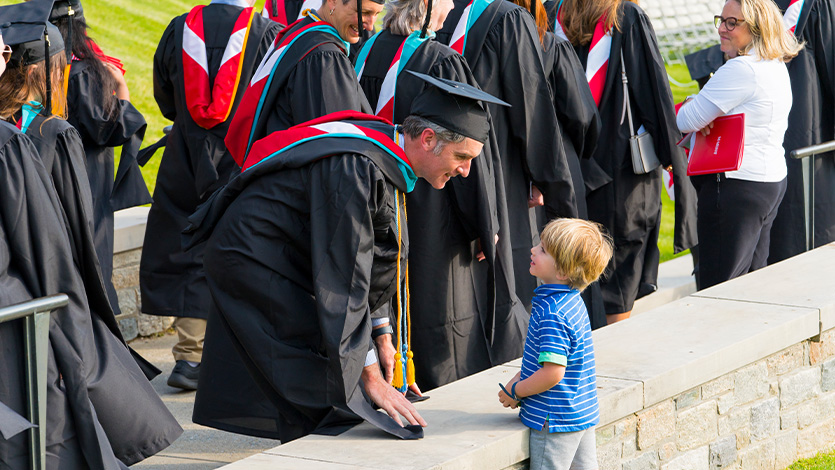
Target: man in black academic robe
{"x": 503, "y": 51}
{"x": 304, "y": 248}
{"x": 811, "y": 122}
{"x": 194, "y": 164}
{"x": 465, "y": 314}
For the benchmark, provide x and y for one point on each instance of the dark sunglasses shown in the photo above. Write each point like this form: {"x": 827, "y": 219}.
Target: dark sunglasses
{"x": 7, "y": 53}
{"x": 730, "y": 22}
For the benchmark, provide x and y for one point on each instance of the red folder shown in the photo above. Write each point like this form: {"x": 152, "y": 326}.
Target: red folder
{"x": 721, "y": 150}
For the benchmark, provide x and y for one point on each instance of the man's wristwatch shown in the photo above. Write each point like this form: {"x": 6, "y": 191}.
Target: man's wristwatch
{"x": 383, "y": 330}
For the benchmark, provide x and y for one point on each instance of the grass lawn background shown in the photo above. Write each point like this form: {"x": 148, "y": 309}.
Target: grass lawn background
{"x": 131, "y": 29}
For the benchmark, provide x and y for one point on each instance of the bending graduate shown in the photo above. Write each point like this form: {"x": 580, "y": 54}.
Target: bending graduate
{"x": 304, "y": 245}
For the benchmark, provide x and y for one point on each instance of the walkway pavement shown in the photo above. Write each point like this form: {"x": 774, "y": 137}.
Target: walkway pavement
{"x": 199, "y": 448}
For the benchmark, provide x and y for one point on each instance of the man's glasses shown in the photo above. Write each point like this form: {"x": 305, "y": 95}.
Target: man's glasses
{"x": 730, "y": 22}
{"x": 7, "y": 53}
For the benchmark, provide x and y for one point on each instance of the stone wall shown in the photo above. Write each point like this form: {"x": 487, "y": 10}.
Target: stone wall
{"x": 132, "y": 322}
{"x": 763, "y": 416}
{"x": 129, "y": 235}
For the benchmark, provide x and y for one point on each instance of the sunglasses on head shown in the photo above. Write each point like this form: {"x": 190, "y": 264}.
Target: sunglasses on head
{"x": 7, "y": 53}
{"x": 730, "y": 22}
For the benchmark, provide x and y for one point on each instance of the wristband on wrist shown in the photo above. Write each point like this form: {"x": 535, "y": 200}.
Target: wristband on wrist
{"x": 383, "y": 330}
{"x": 513, "y": 391}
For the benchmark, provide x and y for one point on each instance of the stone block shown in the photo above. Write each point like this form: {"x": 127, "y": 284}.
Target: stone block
{"x": 807, "y": 414}
{"x": 608, "y": 456}
{"x": 765, "y": 419}
{"x": 800, "y": 387}
{"x": 717, "y": 386}
{"x": 750, "y": 383}
{"x": 630, "y": 447}
{"x": 150, "y": 325}
{"x": 645, "y": 461}
{"x": 127, "y": 258}
{"x": 626, "y": 427}
{"x": 696, "y": 426}
{"x": 823, "y": 349}
{"x": 604, "y": 434}
{"x": 828, "y": 375}
{"x": 788, "y": 419}
{"x": 688, "y": 398}
{"x": 738, "y": 417}
{"x": 667, "y": 451}
{"x": 127, "y": 277}
{"x": 785, "y": 449}
{"x": 815, "y": 439}
{"x": 696, "y": 459}
{"x": 724, "y": 402}
{"x": 722, "y": 453}
{"x": 761, "y": 457}
{"x": 743, "y": 438}
{"x": 787, "y": 360}
{"x": 127, "y": 301}
{"x": 128, "y": 327}
{"x": 656, "y": 424}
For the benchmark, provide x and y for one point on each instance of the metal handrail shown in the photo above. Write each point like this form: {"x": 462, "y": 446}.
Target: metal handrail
{"x": 35, "y": 314}
{"x": 808, "y": 165}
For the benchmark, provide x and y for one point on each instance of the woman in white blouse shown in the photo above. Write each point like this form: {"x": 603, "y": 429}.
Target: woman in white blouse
{"x": 737, "y": 208}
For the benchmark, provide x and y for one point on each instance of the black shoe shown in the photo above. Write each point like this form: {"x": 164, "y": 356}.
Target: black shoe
{"x": 184, "y": 376}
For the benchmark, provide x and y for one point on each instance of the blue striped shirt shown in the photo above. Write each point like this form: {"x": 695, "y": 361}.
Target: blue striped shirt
{"x": 559, "y": 332}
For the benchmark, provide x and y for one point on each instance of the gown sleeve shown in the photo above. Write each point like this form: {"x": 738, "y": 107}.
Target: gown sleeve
{"x": 532, "y": 114}
{"x": 95, "y": 124}
{"x": 474, "y": 196}
{"x": 164, "y": 69}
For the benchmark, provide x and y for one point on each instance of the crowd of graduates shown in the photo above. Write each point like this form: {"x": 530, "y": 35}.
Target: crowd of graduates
{"x": 344, "y": 216}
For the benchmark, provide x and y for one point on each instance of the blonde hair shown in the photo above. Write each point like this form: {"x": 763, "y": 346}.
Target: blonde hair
{"x": 770, "y": 39}
{"x": 581, "y": 249}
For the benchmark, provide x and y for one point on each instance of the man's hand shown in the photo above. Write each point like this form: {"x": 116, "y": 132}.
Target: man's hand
{"x": 385, "y": 354}
{"x": 480, "y": 255}
{"x": 388, "y": 398}
{"x": 535, "y": 198}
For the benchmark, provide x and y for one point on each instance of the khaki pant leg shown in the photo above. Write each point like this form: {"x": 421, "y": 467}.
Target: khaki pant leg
{"x": 192, "y": 332}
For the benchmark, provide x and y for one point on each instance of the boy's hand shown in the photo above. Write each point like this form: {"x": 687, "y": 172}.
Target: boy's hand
{"x": 507, "y": 401}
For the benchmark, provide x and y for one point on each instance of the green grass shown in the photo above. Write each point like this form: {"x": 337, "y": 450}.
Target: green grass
{"x": 131, "y": 29}
{"x": 819, "y": 462}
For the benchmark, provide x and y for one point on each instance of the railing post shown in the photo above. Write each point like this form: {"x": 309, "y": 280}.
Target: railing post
{"x": 807, "y": 157}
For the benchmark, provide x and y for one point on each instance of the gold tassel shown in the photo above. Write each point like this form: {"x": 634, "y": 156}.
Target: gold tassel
{"x": 410, "y": 368}
{"x": 398, "y": 371}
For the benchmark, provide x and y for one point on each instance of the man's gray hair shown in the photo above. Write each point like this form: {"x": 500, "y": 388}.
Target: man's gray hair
{"x": 413, "y": 126}
{"x": 404, "y": 16}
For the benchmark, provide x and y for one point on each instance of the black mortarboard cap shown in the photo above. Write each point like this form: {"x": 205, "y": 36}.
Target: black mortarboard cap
{"x": 455, "y": 106}
{"x": 63, "y": 8}
{"x": 26, "y": 28}
{"x": 702, "y": 64}
{"x": 23, "y": 26}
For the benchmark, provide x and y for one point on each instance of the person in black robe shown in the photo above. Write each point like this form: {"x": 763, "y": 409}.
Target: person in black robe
{"x": 629, "y": 204}
{"x": 458, "y": 302}
{"x": 102, "y": 387}
{"x": 811, "y": 122}
{"x": 304, "y": 246}
{"x": 305, "y": 74}
{"x": 195, "y": 163}
{"x": 99, "y": 107}
{"x": 502, "y": 48}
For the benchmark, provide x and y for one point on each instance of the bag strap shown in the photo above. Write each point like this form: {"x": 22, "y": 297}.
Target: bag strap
{"x": 627, "y": 109}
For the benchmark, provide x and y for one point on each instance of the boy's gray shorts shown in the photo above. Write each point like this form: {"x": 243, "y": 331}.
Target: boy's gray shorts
{"x": 563, "y": 450}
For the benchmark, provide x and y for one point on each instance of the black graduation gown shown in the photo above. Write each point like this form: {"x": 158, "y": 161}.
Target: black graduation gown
{"x": 194, "y": 164}
{"x": 117, "y": 386}
{"x": 579, "y": 126}
{"x": 453, "y": 302}
{"x": 811, "y": 122}
{"x": 100, "y": 132}
{"x": 301, "y": 249}
{"x": 505, "y": 55}
{"x": 629, "y": 205}
{"x": 100, "y": 407}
